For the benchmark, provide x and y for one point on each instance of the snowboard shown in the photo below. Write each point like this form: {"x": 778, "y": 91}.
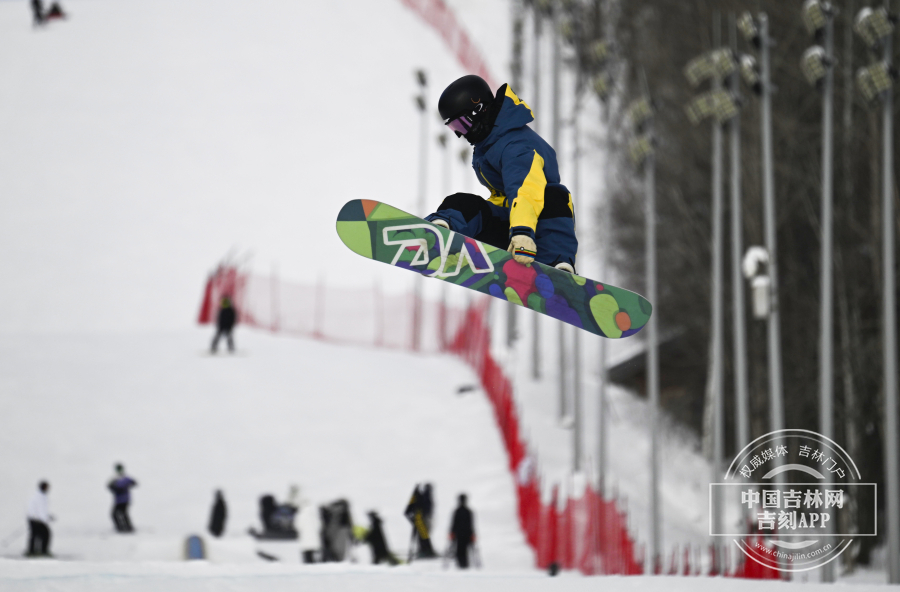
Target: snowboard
{"x": 381, "y": 232}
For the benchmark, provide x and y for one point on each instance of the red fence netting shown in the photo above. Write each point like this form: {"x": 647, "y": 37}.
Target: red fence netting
{"x": 588, "y": 532}
{"x": 437, "y": 14}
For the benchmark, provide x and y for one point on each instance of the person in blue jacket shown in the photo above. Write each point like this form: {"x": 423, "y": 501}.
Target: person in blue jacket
{"x": 529, "y": 212}
{"x": 120, "y": 486}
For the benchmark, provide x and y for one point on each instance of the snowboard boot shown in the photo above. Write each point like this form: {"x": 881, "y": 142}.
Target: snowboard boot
{"x": 441, "y": 223}
{"x": 563, "y": 266}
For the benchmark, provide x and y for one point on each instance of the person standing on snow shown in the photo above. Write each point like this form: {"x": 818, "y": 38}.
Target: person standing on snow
{"x": 225, "y": 322}
{"x": 462, "y": 532}
{"x": 415, "y": 513}
{"x": 37, "y": 9}
{"x": 529, "y": 212}
{"x": 377, "y": 541}
{"x": 218, "y": 516}
{"x": 310, "y": 526}
{"x": 39, "y": 518}
{"x": 427, "y": 499}
{"x": 120, "y": 486}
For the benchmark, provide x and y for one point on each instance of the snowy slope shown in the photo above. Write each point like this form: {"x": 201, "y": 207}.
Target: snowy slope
{"x": 143, "y": 140}
{"x": 139, "y": 142}
{"x": 74, "y": 577}
{"x": 338, "y": 421}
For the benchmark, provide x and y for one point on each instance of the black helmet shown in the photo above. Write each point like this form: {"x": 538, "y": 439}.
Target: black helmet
{"x": 465, "y": 103}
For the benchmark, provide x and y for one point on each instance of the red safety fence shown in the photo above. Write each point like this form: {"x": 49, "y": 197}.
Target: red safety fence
{"x": 364, "y": 317}
{"x": 586, "y": 532}
{"x": 437, "y": 14}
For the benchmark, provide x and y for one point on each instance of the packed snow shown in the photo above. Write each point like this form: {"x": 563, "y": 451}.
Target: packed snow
{"x": 140, "y": 142}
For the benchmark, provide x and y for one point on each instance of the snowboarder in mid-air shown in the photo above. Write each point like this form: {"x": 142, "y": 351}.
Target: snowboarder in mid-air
{"x": 529, "y": 213}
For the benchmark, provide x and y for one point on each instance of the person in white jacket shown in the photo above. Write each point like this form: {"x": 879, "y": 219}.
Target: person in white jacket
{"x": 39, "y": 522}
{"x": 310, "y": 527}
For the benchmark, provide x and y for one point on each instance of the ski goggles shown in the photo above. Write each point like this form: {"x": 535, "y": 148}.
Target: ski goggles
{"x": 460, "y": 125}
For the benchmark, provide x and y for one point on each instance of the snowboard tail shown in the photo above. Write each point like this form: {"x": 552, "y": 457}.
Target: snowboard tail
{"x": 381, "y": 232}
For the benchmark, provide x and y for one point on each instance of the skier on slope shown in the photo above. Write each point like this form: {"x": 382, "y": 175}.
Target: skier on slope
{"x": 529, "y": 212}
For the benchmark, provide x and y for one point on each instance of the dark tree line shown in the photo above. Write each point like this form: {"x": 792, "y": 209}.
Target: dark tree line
{"x": 660, "y": 37}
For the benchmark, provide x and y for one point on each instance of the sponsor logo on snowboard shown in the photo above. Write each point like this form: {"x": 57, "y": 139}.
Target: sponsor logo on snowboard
{"x": 469, "y": 252}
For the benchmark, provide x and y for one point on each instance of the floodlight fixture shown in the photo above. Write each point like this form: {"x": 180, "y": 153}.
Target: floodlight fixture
{"x": 717, "y": 63}
{"x": 755, "y": 261}
{"x": 816, "y": 14}
{"x": 603, "y": 84}
{"x": 750, "y": 73}
{"x": 874, "y": 80}
{"x": 815, "y": 64}
{"x": 719, "y": 104}
{"x": 600, "y": 52}
{"x": 639, "y": 111}
{"x": 640, "y": 149}
{"x": 873, "y": 25}
{"x": 746, "y": 24}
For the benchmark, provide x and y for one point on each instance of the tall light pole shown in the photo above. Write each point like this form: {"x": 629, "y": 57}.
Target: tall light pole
{"x": 442, "y": 313}
{"x": 818, "y": 66}
{"x": 718, "y": 105}
{"x": 742, "y": 408}
{"x": 534, "y": 101}
{"x": 776, "y": 398}
{"x": 516, "y": 72}
{"x": 602, "y": 84}
{"x": 555, "y": 140}
{"x": 421, "y": 102}
{"x": 640, "y": 112}
{"x": 757, "y": 32}
{"x": 892, "y": 441}
{"x": 572, "y": 31}
{"x": 876, "y": 27}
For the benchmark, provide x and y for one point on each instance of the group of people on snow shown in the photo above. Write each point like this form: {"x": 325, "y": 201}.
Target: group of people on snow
{"x": 39, "y": 517}
{"x": 327, "y": 533}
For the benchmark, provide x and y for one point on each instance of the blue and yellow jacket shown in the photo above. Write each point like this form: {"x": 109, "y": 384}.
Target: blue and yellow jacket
{"x": 516, "y": 164}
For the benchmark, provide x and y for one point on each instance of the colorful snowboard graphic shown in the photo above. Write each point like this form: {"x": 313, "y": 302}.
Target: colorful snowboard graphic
{"x": 378, "y": 231}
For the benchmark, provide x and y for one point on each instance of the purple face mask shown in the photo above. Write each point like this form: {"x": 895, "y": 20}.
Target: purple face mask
{"x": 460, "y": 125}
